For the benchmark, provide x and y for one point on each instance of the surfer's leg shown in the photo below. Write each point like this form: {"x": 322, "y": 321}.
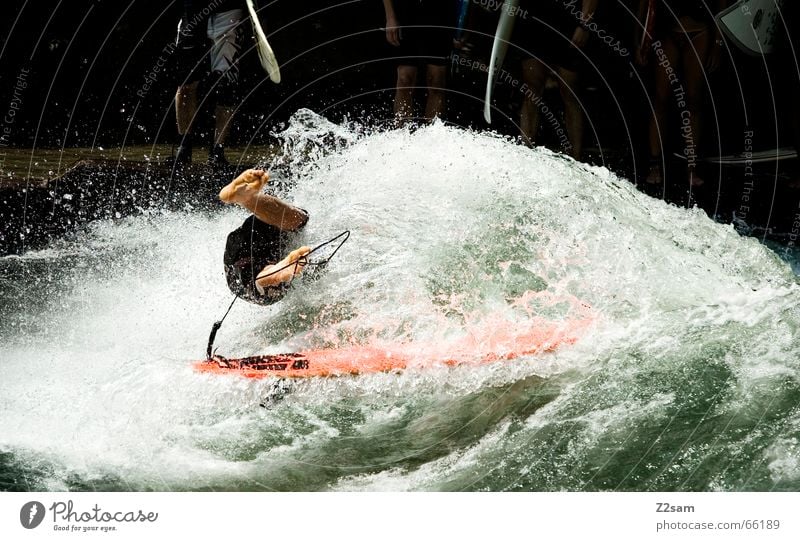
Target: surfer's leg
{"x": 695, "y": 51}
{"x": 436, "y": 79}
{"x": 534, "y": 77}
{"x": 404, "y": 94}
{"x": 573, "y": 114}
{"x": 245, "y": 191}
{"x": 283, "y": 271}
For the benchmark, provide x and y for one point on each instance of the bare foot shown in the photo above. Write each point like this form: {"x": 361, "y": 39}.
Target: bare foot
{"x": 246, "y": 185}
{"x": 283, "y": 271}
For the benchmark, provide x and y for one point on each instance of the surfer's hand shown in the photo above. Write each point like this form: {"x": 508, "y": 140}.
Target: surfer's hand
{"x": 392, "y": 31}
{"x": 580, "y": 37}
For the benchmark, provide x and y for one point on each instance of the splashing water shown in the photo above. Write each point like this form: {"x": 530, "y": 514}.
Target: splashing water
{"x": 686, "y": 379}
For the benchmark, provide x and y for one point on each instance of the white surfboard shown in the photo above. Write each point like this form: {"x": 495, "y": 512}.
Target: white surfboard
{"x": 778, "y": 154}
{"x": 265, "y": 54}
{"x": 508, "y": 14}
{"x": 755, "y": 26}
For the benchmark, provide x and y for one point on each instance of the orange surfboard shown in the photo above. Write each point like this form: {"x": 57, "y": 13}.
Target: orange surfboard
{"x": 475, "y": 349}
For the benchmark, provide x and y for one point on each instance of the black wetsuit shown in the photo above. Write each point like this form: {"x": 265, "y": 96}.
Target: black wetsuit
{"x": 249, "y": 249}
{"x": 426, "y": 31}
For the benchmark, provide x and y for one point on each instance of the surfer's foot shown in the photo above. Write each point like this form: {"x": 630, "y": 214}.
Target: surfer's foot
{"x": 283, "y": 271}
{"x": 245, "y": 186}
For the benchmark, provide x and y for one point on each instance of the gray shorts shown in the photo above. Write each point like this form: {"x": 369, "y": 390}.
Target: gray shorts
{"x": 225, "y": 30}
{"x": 226, "y": 33}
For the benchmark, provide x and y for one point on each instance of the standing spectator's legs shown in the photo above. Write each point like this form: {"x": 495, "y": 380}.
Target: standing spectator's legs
{"x": 791, "y": 60}
{"x": 186, "y": 106}
{"x": 436, "y": 77}
{"x": 534, "y": 75}
{"x": 662, "y": 92}
{"x": 185, "y": 111}
{"x": 189, "y": 71}
{"x": 222, "y": 118}
{"x": 404, "y": 94}
{"x": 225, "y": 29}
{"x": 795, "y": 183}
{"x": 696, "y": 47}
{"x": 568, "y": 85}
{"x": 422, "y": 32}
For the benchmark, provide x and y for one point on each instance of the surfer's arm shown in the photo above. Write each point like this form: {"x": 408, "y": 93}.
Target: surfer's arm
{"x": 283, "y": 271}
{"x": 392, "y": 30}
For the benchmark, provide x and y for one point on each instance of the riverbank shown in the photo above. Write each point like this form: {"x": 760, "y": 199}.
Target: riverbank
{"x": 46, "y": 193}
{"x": 24, "y": 167}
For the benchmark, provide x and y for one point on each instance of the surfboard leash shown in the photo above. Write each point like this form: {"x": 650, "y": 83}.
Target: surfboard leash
{"x": 301, "y": 261}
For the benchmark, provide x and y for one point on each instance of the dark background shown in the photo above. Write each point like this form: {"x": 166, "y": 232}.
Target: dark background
{"x": 87, "y": 59}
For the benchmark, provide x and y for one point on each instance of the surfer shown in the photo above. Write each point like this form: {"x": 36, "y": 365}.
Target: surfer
{"x": 687, "y": 44}
{"x": 422, "y": 32}
{"x": 220, "y": 22}
{"x": 256, "y": 266}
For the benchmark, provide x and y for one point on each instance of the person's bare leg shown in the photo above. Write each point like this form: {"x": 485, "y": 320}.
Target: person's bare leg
{"x": 568, "y": 86}
{"x": 222, "y": 116}
{"x": 695, "y": 77}
{"x": 245, "y": 191}
{"x": 186, "y": 106}
{"x": 534, "y": 75}
{"x": 283, "y": 271}
{"x": 662, "y": 92}
{"x": 436, "y": 77}
{"x": 404, "y": 95}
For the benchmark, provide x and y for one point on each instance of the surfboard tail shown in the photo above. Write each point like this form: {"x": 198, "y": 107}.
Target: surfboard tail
{"x": 502, "y": 37}
{"x": 756, "y": 27}
{"x": 265, "y": 53}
